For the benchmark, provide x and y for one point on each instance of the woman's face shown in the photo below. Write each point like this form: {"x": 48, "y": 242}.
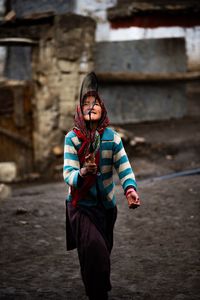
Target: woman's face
{"x": 90, "y": 104}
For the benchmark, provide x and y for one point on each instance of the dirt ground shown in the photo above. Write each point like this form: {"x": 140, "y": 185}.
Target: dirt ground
{"x": 169, "y": 146}
{"x": 156, "y": 247}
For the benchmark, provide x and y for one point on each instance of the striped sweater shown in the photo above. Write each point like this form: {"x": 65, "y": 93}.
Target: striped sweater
{"x": 112, "y": 154}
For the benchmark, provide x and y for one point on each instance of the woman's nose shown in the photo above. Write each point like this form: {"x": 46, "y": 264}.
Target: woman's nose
{"x": 91, "y": 105}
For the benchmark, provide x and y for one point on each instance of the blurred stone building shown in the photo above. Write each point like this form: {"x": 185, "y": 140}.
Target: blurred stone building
{"x": 47, "y": 56}
{"x": 48, "y": 46}
{"x": 156, "y": 63}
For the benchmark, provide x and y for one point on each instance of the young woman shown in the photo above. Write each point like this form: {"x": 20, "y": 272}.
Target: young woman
{"x": 92, "y": 149}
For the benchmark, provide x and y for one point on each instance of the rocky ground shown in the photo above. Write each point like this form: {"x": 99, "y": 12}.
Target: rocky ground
{"x": 156, "y": 248}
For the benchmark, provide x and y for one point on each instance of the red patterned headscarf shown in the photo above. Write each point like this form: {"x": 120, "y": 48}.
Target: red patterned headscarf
{"x": 87, "y": 136}
{"x": 79, "y": 117}
{"x": 81, "y": 127}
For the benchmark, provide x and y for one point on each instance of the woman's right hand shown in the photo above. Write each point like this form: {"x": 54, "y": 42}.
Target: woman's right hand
{"x": 89, "y": 166}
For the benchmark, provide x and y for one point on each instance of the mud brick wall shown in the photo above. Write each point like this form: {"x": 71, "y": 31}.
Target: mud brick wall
{"x": 64, "y": 56}
{"x": 145, "y": 100}
{"x": 145, "y": 56}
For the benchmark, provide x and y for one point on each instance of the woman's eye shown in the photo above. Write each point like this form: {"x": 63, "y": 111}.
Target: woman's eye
{"x": 91, "y": 104}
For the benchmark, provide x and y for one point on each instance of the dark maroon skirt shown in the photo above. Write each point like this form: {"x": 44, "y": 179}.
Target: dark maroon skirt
{"x": 90, "y": 230}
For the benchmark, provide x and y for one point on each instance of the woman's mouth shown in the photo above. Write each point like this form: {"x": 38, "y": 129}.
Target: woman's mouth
{"x": 92, "y": 112}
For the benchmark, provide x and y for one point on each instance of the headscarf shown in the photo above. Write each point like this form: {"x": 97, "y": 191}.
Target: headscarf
{"x": 82, "y": 128}
{"x": 88, "y": 137}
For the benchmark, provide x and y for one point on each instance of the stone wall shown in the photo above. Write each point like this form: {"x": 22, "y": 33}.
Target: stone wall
{"x": 64, "y": 56}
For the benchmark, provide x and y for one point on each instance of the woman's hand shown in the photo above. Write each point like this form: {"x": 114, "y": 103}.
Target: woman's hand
{"x": 133, "y": 199}
{"x": 89, "y": 166}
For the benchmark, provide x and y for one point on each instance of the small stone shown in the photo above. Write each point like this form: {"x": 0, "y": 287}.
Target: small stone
{"x": 139, "y": 139}
{"x": 23, "y": 222}
{"x": 169, "y": 157}
{"x": 5, "y": 191}
{"x": 192, "y": 191}
{"x": 37, "y": 226}
{"x": 132, "y": 142}
{"x": 21, "y": 211}
{"x": 8, "y": 171}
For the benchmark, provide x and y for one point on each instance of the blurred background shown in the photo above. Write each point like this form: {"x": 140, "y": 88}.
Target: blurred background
{"x": 146, "y": 55}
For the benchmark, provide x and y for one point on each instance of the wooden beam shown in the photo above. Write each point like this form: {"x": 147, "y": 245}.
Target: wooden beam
{"x": 12, "y": 83}
{"x": 142, "y": 77}
{"x": 22, "y": 28}
{"x": 155, "y": 20}
{"x": 125, "y": 9}
{"x": 17, "y": 41}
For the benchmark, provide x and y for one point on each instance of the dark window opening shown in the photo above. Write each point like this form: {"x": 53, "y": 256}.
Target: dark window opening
{"x": 18, "y": 63}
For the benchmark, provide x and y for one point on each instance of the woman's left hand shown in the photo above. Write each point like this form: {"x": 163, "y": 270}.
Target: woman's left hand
{"x": 133, "y": 199}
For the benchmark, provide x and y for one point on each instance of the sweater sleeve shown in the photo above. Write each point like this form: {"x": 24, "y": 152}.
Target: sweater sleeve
{"x": 122, "y": 165}
{"x": 71, "y": 163}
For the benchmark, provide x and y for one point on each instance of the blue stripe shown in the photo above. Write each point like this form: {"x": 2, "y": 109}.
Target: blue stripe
{"x": 71, "y": 156}
{"x": 109, "y": 188}
{"x": 78, "y": 146}
{"x": 125, "y": 172}
{"x": 118, "y": 147}
{"x": 68, "y": 141}
{"x": 107, "y": 146}
{"x": 129, "y": 182}
{"x": 107, "y": 175}
{"x": 70, "y": 134}
{"x": 106, "y": 161}
{"x": 75, "y": 180}
{"x": 120, "y": 161}
{"x": 69, "y": 169}
{"x": 108, "y": 134}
